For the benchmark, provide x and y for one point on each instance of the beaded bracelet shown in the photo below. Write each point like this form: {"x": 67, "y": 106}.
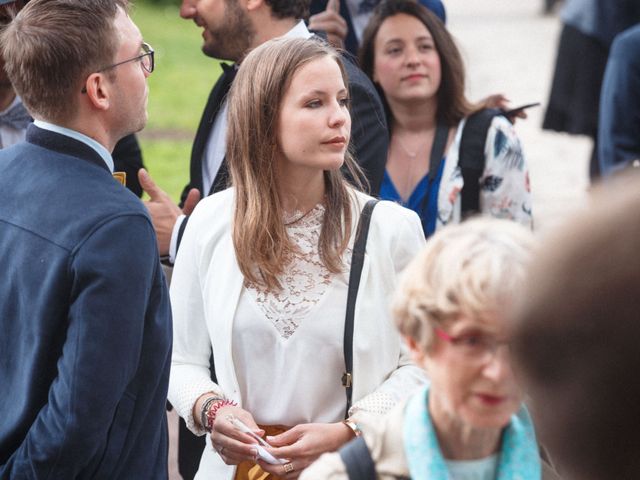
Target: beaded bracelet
{"x": 205, "y": 408}
{"x": 211, "y": 413}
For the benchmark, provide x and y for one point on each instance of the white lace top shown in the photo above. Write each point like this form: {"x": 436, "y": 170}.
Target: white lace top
{"x": 295, "y": 333}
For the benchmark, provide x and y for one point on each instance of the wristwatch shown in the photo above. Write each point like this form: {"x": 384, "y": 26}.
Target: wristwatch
{"x": 353, "y": 426}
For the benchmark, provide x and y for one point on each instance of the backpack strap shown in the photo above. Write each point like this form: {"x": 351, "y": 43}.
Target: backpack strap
{"x": 471, "y": 159}
{"x": 357, "y": 261}
{"x": 357, "y": 460}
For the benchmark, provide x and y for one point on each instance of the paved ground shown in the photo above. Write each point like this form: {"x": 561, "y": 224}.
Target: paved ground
{"x": 510, "y": 48}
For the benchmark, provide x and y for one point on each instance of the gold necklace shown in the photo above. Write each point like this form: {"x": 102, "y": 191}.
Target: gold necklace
{"x": 409, "y": 152}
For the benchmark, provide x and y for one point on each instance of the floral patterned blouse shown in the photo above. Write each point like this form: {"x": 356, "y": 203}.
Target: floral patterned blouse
{"x": 505, "y": 190}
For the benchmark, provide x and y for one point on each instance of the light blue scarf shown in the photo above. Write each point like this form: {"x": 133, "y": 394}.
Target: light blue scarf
{"x": 519, "y": 455}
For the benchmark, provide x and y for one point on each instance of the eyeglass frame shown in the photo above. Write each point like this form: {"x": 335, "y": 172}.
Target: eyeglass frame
{"x": 150, "y": 54}
{"x": 489, "y": 352}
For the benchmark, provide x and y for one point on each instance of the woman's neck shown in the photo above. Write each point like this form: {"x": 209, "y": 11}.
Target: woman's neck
{"x": 416, "y": 116}
{"x": 301, "y": 192}
{"x": 459, "y": 441}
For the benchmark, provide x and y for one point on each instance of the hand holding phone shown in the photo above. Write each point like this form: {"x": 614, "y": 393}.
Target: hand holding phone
{"x": 262, "y": 452}
{"x": 515, "y": 111}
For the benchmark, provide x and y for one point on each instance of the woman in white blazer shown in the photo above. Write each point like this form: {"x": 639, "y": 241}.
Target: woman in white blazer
{"x": 262, "y": 276}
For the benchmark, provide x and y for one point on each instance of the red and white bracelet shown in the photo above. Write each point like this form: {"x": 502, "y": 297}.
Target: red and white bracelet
{"x": 213, "y": 410}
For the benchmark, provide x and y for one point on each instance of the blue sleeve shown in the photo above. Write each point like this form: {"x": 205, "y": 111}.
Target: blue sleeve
{"x": 619, "y": 123}
{"x": 113, "y": 272}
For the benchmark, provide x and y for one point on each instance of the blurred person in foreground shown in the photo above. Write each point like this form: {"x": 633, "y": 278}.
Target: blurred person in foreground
{"x": 418, "y": 71}
{"x": 576, "y": 337}
{"x": 84, "y": 308}
{"x": 263, "y": 275}
{"x": 470, "y": 422}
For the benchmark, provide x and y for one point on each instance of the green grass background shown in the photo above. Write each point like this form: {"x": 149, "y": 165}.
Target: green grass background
{"x": 178, "y": 91}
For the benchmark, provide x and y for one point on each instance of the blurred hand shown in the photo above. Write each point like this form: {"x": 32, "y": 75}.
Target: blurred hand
{"x": 231, "y": 444}
{"x": 303, "y": 444}
{"x": 501, "y": 102}
{"x": 163, "y": 211}
{"x": 331, "y": 22}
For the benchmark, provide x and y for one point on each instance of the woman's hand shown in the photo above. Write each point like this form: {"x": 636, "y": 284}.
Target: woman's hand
{"x": 231, "y": 444}
{"x": 303, "y": 444}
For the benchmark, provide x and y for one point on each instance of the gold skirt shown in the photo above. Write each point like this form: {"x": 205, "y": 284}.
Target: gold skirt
{"x": 253, "y": 471}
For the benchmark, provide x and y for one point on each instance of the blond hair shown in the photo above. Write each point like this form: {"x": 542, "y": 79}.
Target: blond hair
{"x": 467, "y": 269}
{"x": 260, "y": 239}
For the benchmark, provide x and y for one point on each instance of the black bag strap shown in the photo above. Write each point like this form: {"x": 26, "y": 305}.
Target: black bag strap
{"x": 437, "y": 152}
{"x": 357, "y": 460}
{"x": 357, "y": 261}
{"x": 471, "y": 159}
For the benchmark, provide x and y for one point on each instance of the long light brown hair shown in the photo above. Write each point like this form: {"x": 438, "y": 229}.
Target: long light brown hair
{"x": 260, "y": 238}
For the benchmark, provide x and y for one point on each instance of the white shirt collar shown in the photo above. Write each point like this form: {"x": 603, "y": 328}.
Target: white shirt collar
{"x": 299, "y": 31}
{"x": 100, "y": 149}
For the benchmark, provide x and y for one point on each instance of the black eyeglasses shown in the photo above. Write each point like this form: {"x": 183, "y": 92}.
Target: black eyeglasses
{"x": 146, "y": 58}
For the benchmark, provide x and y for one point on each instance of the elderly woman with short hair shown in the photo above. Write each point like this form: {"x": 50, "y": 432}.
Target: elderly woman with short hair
{"x": 470, "y": 423}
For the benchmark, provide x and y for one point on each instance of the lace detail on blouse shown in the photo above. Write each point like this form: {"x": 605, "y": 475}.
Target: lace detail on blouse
{"x": 305, "y": 279}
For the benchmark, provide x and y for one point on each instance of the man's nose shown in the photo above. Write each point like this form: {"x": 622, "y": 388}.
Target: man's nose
{"x": 188, "y": 9}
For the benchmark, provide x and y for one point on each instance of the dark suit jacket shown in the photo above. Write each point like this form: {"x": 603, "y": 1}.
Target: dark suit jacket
{"x": 369, "y": 135}
{"x": 127, "y": 157}
{"x": 85, "y": 319}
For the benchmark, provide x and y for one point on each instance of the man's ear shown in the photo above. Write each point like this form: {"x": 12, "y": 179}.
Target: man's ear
{"x": 253, "y": 5}
{"x": 97, "y": 90}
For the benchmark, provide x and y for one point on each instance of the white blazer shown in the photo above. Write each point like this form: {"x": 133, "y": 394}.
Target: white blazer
{"x": 206, "y": 287}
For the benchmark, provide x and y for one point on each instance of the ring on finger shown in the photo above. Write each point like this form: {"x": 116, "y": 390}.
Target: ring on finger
{"x": 288, "y": 467}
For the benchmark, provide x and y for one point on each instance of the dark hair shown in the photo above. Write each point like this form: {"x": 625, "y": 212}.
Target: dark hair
{"x": 297, "y": 9}
{"x": 452, "y": 104}
{"x": 576, "y": 338}
{"x": 52, "y": 45}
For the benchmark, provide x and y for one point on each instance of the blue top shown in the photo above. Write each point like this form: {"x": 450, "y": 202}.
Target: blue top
{"x": 416, "y": 202}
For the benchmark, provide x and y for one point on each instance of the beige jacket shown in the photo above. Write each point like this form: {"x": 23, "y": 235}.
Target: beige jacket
{"x": 387, "y": 450}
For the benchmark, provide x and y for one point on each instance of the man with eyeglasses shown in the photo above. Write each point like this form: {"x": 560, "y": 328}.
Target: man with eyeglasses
{"x": 84, "y": 311}
{"x": 14, "y": 118}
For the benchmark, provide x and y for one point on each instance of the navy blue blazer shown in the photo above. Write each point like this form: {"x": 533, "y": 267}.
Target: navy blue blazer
{"x": 85, "y": 322}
